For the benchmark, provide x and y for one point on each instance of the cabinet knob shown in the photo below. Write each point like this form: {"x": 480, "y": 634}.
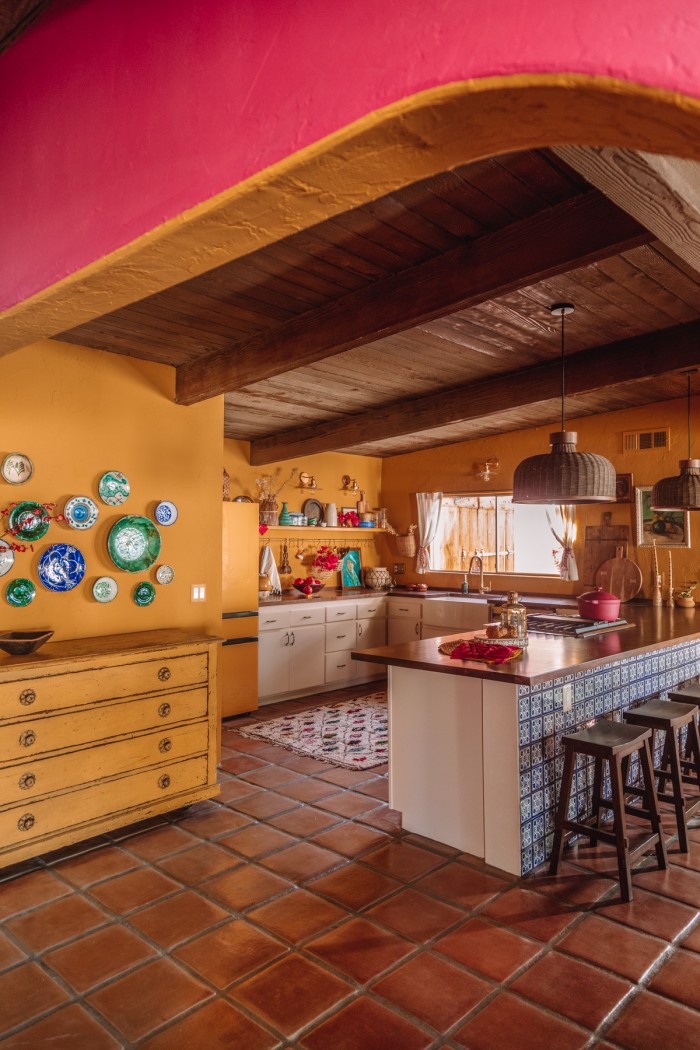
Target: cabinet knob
{"x": 26, "y": 822}
{"x": 27, "y": 738}
{"x": 27, "y": 781}
{"x": 164, "y": 781}
{"x": 165, "y": 744}
{"x": 164, "y": 674}
{"x": 292, "y": 637}
{"x": 27, "y": 697}
{"x": 164, "y": 710}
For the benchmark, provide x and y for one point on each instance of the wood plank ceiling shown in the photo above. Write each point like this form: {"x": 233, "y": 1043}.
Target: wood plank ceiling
{"x": 422, "y": 319}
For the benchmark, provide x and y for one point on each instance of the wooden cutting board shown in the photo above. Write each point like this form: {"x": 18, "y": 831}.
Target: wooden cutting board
{"x": 600, "y": 544}
{"x": 619, "y": 576}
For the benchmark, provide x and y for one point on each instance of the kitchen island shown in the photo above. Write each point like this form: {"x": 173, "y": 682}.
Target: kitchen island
{"x": 475, "y": 754}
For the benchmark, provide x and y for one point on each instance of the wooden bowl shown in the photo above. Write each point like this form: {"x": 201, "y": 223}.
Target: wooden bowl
{"x": 21, "y": 643}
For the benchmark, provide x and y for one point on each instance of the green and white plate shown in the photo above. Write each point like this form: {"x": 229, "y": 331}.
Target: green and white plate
{"x": 114, "y": 488}
{"x": 165, "y": 574}
{"x": 144, "y": 593}
{"x": 104, "y": 589}
{"x": 133, "y": 543}
{"x": 20, "y": 592}
{"x": 29, "y": 521}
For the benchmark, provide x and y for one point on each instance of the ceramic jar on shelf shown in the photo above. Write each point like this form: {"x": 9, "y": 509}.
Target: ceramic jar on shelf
{"x": 378, "y": 578}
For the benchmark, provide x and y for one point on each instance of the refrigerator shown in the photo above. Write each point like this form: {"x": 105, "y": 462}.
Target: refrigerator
{"x": 239, "y": 654}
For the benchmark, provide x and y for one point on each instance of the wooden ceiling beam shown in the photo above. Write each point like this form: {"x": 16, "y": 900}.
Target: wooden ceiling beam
{"x": 624, "y": 361}
{"x": 569, "y": 235}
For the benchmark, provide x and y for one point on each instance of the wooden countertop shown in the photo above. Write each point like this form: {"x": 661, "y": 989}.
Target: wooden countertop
{"x": 72, "y": 649}
{"x": 550, "y": 656}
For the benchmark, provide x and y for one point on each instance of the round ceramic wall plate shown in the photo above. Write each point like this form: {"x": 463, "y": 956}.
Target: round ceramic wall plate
{"x": 166, "y": 513}
{"x": 20, "y": 593}
{"x": 104, "y": 589}
{"x": 312, "y": 508}
{"x": 114, "y": 488}
{"x": 61, "y": 567}
{"x": 81, "y": 512}
{"x": 29, "y": 521}
{"x": 144, "y": 593}
{"x": 133, "y": 543}
{"x": 165, "y": 574}
{"x": 7, "y": 557}
{"x": 16, "y": 468}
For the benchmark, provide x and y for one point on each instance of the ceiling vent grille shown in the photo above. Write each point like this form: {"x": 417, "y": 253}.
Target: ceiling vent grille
{"x": 646, "y": 440}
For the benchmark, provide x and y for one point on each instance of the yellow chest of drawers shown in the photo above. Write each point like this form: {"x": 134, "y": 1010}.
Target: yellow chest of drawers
{"x": 98, "y": 733}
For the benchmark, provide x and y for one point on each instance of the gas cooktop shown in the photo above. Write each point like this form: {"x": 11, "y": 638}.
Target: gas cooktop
{"x": 575, "y": 626}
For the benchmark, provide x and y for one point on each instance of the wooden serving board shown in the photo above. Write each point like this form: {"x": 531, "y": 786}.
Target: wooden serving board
{"x": 619, "y": 576}
{"x": 600, "y": 544}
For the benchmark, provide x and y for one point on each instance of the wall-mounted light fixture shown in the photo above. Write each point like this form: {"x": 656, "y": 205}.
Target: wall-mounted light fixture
{"x": 349, "y": 484}
{"x": 486, "y": 471}
{"x": 307, "y": 481}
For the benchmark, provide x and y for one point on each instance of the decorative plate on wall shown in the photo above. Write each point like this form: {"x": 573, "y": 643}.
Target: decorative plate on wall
{"x": 61, "y": 567}
{"x": 104, "y": 589}
{"x": 7, "y": 557}
{"x": 16, "y": 468}
{"x": 166, "y": 513}
{"x": 312, "y": 508}
{"x": 144, "y": 593}
{"x": 20, "y": 592}
{"x": 81, "y": 512}
{"x": 133, "y": 543}
{"x": 114, "y": 488}
{"x": 29, "y": 521}
{"x": 165, "y": 574}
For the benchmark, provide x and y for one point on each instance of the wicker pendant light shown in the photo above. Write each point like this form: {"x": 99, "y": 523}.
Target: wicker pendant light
{"x": 564, "y": 475}
{"x": 683, "y": 491}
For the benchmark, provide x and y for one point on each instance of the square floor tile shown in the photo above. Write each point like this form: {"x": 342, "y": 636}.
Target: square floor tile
{"x": 491, "y": 950}
{"x": 58, "y": 921}
{"x": 518, "y": 1025}
{"x": 403, "y": 860}
{"x": 679, "y": 979}
{"x": 383, "y": 819}
{"x": 572, "y": 988}
{"x": 649, "y": 1022}
{"x": 348, "y": 803}
{"x": 305, "y": 820}
{"x": 241, "y": 764}
{"x": 274, "y": 777}
{"x": 98, "y": 957}
{"x": 27, "y": 992}
{"x": 650, "y": 913}
{"x": 30, "y": 890}
{"x": 264, "y": 804}
{"x": 214, "y": 825}
{"x": 624, "y": 951}
{"x": 256, "y": 840}
{"x": 291, "y": 993}
{"x": 226, "y": 1029}
{"x": 127, "y": 892}
{"x": 680, "y": 884}
{"x": 193, "y": 866}
{"x": 310, "y": 790}
{"x": 573, "y": 886}
{"x": 104, "y": 863}
{"x": 531, "y": 913}
{"x": 459, "y": 884}
{"x": 350, "y": 839}
{"x": 302, "y": 861}
{"x": 70, "y": 1026}
{"x": 158, "y": 842}
{"x": 230, "y": 952}
{"x": 355, "y": 886}
{"x": 347, "y": 777}
{"x": 233, "y": 791}
{"x": 298, "y": 915}
{"x": 178, "y": 918}
{"x": 368, "y": 1025}
{"x": 692, "y": 939}
{"x": 144, "y": 1000}
{"x": 10, "y": 954}
{"x": 416, "y": 916}
{"x": 360, "y": 948}
{"x": 246, "y": 886}
{"x": 433, "y": 990}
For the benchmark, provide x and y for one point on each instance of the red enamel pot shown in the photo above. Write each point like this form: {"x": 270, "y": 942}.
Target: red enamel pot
{"x": 598, "y": 605}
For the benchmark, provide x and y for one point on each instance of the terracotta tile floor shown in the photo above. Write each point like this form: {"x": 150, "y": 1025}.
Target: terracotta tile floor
{"x": 293, "y": 912}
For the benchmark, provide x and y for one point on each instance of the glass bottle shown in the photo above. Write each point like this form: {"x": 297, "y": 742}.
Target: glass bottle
{"x": 513, "y": 617}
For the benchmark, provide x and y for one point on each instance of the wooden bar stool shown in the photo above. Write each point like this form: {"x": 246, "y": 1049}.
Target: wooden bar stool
{"x": 610, "y": 742}
{"x": 669, "y": 717}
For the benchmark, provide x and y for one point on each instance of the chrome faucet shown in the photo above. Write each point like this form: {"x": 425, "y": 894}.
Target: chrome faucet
{"x": 479, "y": 559}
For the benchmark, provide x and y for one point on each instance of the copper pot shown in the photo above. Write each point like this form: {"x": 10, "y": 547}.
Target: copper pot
{"x": 598, "y": 605}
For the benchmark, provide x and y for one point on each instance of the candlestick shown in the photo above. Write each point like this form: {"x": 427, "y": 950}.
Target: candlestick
{"x": 656, "y": 560}
{"x": 669, "y": 595}
{"x": 656, "y": 595}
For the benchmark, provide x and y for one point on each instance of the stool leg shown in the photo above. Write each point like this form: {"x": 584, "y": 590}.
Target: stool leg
{"x": 621, "y": 841}
{"x": 652, "y": 803}
{"x": 597, "y": 788}
{"x": 562, "y": 812}
{"x": 672, "y": 758}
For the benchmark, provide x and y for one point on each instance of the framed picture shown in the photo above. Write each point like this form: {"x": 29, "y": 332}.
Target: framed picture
{"x": 347, "y": 510}
{"x": 351, "y": 570}
{"x": 665, "y": 528}
{"x": 623, "y": 488}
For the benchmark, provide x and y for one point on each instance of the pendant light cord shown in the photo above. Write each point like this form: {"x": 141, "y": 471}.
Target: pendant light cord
{"x": 689, "y": 374}
{"x": 562, "y": 371}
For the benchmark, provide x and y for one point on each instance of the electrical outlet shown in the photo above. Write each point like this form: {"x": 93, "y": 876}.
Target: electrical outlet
{"x": 199, "y": 592}
{"x": 399, "y": 568}
{"x": 567, "y": 695}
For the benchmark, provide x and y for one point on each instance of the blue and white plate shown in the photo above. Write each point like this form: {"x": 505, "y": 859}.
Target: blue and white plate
{"x": 81, "y": 512}
{"x": 166, "y": 513}
{"x": 61, "y": 567}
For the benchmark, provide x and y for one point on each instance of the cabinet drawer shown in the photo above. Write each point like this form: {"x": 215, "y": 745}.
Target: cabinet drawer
{"x": 273, "y": 619}
{"x": 372, "y": 609}
{"x": 30, "y": 696}
{"x": 340, "y": 612}
{"x": 409, "y": 610}
{"x": 339, "y": 666}
{"x": 33, "y": 820}
{"x": 307, "y": 614}
{"x": 341, "y": 636}
{"x": 33, "y": 779}
{"x": 32, "y": 736}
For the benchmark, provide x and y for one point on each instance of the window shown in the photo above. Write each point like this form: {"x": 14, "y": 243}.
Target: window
{"x": 510, "y": 537}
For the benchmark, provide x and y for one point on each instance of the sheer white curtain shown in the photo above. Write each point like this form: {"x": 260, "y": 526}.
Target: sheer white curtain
{"x": 429, "y": 506}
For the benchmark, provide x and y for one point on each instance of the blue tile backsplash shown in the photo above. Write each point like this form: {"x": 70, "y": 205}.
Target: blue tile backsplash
{"x": 604, "y": 691}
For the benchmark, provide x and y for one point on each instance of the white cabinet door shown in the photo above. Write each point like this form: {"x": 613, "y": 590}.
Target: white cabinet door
{"x": 306, "y": 657}
{"x": 370, "y": 635}
{"x": 403, "y": 630}
{"x": 341, "y": 636}
{"x": 273, "y": 662}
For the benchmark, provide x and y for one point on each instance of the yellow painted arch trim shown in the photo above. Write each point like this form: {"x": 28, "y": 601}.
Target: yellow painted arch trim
{"x": 412, "y": 139}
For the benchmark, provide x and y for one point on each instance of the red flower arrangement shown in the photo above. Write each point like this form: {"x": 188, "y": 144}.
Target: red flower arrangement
{"x": 22, "y": 548}
{"x": 325, "y": 559}
{"x": 350, "y": 519}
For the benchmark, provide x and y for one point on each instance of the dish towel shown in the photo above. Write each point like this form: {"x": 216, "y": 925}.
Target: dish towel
{"x": 267, "y": 565}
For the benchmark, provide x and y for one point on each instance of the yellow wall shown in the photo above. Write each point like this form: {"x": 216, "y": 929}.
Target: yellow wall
{"x": 77, "y": 413}
{"x": 451, "y": 468}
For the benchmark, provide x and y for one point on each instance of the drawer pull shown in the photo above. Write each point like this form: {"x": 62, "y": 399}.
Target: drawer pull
{"x": 165, "y": 744}
{"x": 342, "y": 665}
{"x": 26, "y": 823}
{"x": 27, "y": 738}
{"x": 27, "y": 781}
{"x": 306, "y": 617}
{"x": 341, "y": 635}
{"x": 164, "y": 781}
{"x": 164, "y": 710}
{"x": 164, "y": 674}
{"x": 27, "y": 697}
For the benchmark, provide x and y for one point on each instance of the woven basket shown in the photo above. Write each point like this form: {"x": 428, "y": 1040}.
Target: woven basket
{"x": 404, "y": 545}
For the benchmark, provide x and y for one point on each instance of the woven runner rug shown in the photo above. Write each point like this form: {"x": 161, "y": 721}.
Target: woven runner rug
{"x": 352, "y": 734}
